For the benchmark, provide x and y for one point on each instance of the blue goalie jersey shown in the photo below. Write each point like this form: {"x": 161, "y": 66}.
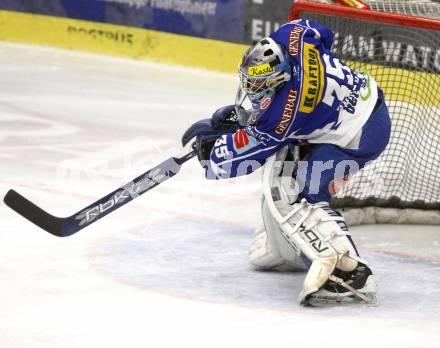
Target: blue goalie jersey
{"x": 324, "y": 102}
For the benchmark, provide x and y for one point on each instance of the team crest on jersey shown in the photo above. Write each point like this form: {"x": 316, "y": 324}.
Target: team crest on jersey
{"x": 243, "y": 141}
{"x": 265, "y": 103}
{"x": 295, "y": 37}
{"x": 287, "y": 116}
{"x": 313, "y": 79}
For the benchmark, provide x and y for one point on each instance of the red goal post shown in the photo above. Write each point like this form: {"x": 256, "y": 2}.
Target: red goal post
{"x": 402, "y": 53}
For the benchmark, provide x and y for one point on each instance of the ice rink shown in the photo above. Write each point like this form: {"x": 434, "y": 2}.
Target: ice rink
{"x": 169, "y": 269}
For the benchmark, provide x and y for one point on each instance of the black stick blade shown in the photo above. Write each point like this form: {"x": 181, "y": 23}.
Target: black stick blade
{"x": 30, "y": 211}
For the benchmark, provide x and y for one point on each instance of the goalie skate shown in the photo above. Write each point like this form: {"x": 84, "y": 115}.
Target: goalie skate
{"x": 357, "y": 286}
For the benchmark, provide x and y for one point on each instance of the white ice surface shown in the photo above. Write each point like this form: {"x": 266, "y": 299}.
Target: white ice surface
{"x": 169, "y": 269}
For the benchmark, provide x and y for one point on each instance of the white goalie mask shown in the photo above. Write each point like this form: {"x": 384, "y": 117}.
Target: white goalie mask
{"x": 263, "y": 70}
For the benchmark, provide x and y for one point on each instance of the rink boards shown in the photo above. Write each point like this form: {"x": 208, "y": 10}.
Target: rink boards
{"x": 119, "y": 41}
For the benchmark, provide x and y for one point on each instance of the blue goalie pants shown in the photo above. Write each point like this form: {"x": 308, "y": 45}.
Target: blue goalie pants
{"x": 328, "y": 166}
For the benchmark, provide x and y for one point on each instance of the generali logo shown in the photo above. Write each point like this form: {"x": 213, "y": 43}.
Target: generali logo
{"x": 289, "y": 107}
{"x": 294, "y": 40}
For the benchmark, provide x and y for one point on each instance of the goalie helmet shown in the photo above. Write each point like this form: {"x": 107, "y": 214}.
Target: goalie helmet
{"x": 263, "y": 70}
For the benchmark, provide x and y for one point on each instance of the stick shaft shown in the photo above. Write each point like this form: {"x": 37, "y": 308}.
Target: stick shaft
{"x": 63, "y": 227}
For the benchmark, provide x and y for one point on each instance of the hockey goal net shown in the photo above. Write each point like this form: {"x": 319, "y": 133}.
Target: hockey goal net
{"x": 402, "y": 53}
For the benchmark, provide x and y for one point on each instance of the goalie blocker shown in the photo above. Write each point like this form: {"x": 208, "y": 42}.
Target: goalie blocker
{"x": 309, "y": 236}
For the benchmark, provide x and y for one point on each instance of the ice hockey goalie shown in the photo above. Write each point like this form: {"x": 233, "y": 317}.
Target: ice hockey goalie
{"x": 295, "y": 93}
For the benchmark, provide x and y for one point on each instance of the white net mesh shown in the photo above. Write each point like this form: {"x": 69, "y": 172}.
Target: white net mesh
{"x": 421, "y": 8}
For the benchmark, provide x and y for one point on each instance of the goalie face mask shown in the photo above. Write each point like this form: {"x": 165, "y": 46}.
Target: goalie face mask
{"x": 263, "y": 71}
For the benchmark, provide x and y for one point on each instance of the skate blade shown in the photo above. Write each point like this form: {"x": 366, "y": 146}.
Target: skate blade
{"x": 332, "y": 301}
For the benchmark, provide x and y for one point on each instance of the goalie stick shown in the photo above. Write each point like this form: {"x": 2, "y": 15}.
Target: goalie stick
{"x": 63, "y": 227}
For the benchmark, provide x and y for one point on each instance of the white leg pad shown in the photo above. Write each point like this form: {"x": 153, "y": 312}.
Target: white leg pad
{"x": 263, "y": 254}
{"x": 314, "y": 230}
{"x": 270, "y": 250}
